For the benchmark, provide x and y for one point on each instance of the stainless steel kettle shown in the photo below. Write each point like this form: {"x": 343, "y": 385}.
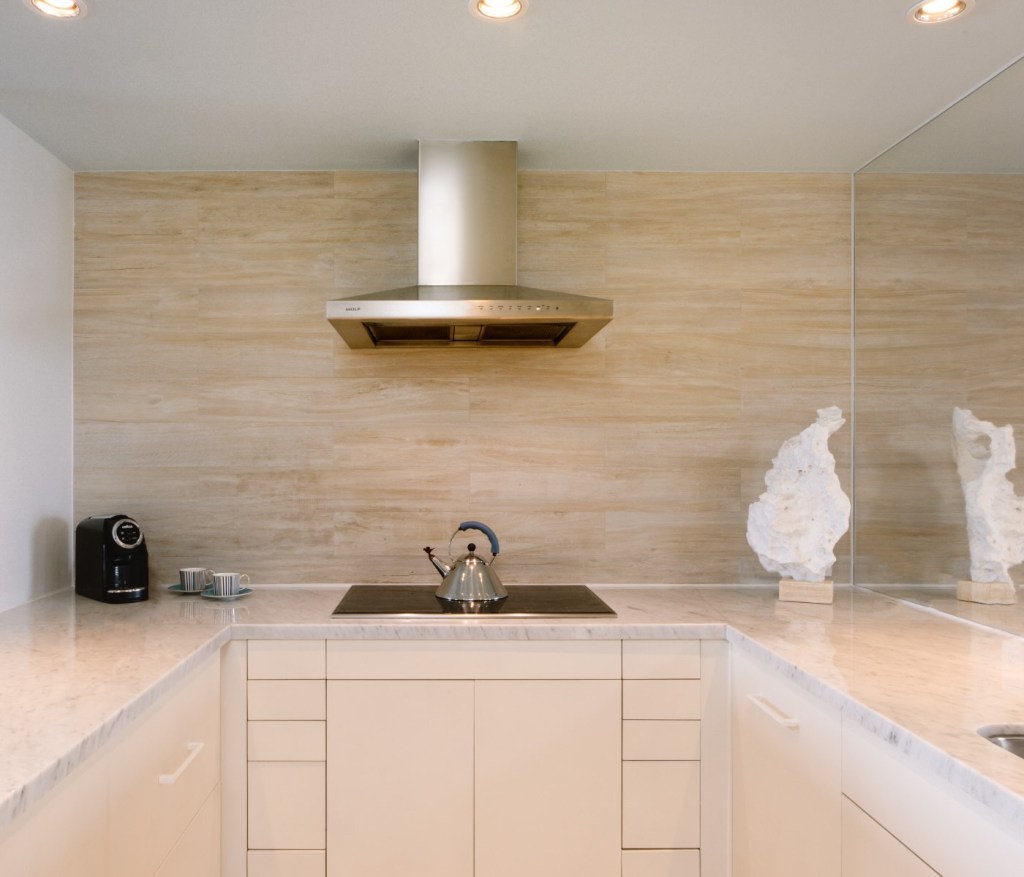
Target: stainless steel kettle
{"x": 470, "y": 579}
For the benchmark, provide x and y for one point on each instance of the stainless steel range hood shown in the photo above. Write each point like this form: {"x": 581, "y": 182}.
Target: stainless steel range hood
{"x": 467, "y": 293}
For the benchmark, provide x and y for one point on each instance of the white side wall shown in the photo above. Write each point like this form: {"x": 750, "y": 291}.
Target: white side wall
{"x": 36, "y": 308}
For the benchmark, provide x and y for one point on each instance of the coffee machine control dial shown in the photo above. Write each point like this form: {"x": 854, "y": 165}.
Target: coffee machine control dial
{"x": 127, "y": 533}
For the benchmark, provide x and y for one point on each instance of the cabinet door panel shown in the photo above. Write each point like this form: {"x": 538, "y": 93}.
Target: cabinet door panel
{"x": 197, "y": 852}
{"x": 400, "y": 778}
{"x": 75, "y": 813}
{"x": 786, "y": 777}
{"x": 869, "y": 850}
{"x": 547, "y": 778}
{"x": 955, "y": 833}
{"x": 163, "y": 771}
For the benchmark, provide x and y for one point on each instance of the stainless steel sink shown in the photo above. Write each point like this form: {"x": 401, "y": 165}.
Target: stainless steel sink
{"x": 1008, "y": 737}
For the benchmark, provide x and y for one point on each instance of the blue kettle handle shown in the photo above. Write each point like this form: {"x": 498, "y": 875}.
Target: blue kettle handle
{"x": 483, "y": 528}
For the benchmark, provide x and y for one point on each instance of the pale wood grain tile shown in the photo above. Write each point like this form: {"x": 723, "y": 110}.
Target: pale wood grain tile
{"x": 621, "y": 461}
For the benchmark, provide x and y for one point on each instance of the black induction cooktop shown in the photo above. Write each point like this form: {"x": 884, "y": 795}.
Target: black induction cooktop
{"x": 523, "y": 601}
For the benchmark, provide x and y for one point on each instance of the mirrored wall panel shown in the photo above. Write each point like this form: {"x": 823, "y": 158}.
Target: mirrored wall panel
{"x": 939, "y": 324}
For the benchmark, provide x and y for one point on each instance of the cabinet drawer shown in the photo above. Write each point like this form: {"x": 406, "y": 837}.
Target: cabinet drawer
{"x": 660, "y": 804}
{"x": 287, "y": 808}
{"x": 531, "y": 659}
{"x": 660, "y": 741}
{"x": 285, "y": 700}
{"x": 287, "y": 863}
{"x": 287, "y": 659}
{"x": 165, "y": 768}
{"x": 287, "y": 741}
{"x": 661, "y": 659}
{"x": 660, "y": 863}
{"x": 661, "y": 699}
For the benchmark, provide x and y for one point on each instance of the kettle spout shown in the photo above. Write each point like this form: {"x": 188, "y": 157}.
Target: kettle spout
{"x": 439, "y": 565}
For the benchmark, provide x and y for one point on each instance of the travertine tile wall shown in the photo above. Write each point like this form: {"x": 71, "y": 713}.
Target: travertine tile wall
{"x": 216, "y": 404}
{"x": 940, "y": 323}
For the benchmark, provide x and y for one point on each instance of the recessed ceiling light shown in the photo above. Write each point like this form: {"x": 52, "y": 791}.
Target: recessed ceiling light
{"x": 934, "y": 11}
{"x": 58, "y": 8}
{"x": 497, "y": 10}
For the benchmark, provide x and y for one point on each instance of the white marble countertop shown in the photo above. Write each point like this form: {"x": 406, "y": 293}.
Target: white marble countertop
{"x": 75, "y": 670}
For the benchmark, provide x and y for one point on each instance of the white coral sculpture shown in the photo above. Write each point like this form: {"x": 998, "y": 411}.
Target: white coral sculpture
{"x": 984, "y": 453}
{"x": 796, "y": 523}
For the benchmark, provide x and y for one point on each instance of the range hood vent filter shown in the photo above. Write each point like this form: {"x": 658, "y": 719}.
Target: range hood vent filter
{"x": 467, "y": 295}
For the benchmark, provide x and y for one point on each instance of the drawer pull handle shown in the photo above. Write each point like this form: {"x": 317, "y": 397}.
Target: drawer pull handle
{"x": 169, "y": 779}
{"x": 773, "y": 712}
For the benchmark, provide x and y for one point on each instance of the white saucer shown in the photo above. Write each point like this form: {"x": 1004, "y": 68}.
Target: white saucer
{"x": 210, "y": 595}
{"x": 178, "y": 589}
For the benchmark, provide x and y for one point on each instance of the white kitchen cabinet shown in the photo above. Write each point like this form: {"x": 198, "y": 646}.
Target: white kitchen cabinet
{"x": 786, "y": 786}
{"x": 547, "y": 770}
{"x": 480, "y": 770}
{"x": 165, "y": 769}
{"x": 197, "y": 852}
{"x": 488, "y": 758}
{"x": 286, "y": 755}
{"x": 951, "y": 832}
{"x": 869, "y": 850}
{"x": 400, "y": 777}
{"x": 661, "y": 770}
{"x": 66, "y": 832}
{"x": 146, "y": 804}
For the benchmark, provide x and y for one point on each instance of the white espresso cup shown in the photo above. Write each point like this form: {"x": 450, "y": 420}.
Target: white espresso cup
{"x": 227, "y": 583}
{"x": 195, "y": 578}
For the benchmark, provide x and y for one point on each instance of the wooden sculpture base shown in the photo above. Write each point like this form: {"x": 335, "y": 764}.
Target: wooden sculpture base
{"x": 805, "y": 592}
{"x": 991, "y": 593}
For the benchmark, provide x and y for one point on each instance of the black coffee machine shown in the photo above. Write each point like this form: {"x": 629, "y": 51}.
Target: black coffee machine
{"x": 111, "y": 560}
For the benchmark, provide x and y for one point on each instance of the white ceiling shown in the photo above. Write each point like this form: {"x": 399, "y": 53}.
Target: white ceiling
{"x": 984, "y": 133}
{"x": 690, "y": 85}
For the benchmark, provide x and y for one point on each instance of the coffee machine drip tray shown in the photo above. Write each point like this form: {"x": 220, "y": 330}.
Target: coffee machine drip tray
{"x": 419, "y": 601}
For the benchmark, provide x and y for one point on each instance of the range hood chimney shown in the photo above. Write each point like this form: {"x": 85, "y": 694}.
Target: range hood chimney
{"x": 467, "y": 294}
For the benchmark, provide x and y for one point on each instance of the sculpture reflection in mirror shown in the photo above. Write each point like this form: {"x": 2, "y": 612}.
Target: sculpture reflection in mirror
{"x": 795, "y": 524}
{"x": 984, "y": 454}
